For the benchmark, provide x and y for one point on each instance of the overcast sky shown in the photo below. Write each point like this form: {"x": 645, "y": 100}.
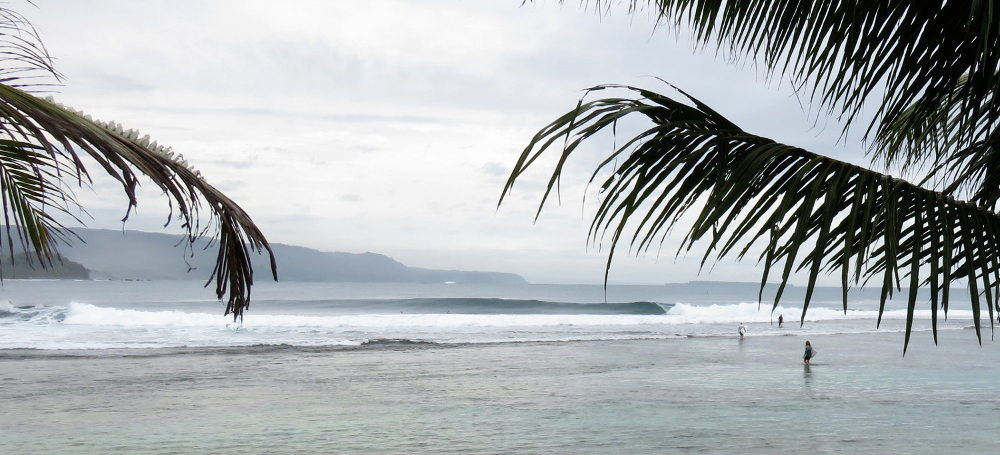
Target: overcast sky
{"x": 390, "y": 126}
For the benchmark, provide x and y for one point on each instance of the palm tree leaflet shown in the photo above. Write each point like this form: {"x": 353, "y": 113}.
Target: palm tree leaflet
{"x": 42, "y": 146}
{"x": 932, "y": 72}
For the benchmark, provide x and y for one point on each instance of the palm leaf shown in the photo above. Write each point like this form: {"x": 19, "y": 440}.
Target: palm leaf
{"x": 24, "y": 60}
{"x": 28, "y": 198}
{"x": 801, "y": 210}
{"x": 931, "y": 70}
{"x": 41, "y": 148}
{"x": 64, "y": 135}
{"x": 929, "y": 136}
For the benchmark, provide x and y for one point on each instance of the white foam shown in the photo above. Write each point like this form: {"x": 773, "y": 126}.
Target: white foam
{"x": 750, "y": 312}
{"x": 86, "y": 326}
{"x": 86, "y": 314}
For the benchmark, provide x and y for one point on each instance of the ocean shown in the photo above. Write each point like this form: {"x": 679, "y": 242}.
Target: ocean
{"x": 153, "y": 367}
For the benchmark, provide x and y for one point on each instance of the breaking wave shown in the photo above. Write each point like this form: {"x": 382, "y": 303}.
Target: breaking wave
{"x": 470, "y": 305}
{"x": 682, "y": 313}
{"x": 86, "y": 326}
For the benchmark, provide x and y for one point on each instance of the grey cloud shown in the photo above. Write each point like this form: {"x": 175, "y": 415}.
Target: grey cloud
{"x": 495, "y": 169}
{"x": 232, "y": 83}
{"x": 121, "y": 83}
{"x": 231, "y": 185}
{"x": 261, "y": 112}
{"x": 242, "y": 164}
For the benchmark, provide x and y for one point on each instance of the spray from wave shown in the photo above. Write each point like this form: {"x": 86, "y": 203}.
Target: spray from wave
{"x": 31, "y": 314}
{"x": 682, "y": 313}
{"x": 86, "y": 326}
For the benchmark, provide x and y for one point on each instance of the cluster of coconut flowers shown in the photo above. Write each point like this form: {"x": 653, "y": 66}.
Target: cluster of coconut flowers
{"x": 134, "y": 136}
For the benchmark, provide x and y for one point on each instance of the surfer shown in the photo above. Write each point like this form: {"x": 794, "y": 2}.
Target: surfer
{"x": 781, "y": 320}
{"x": 808, "y": 354}
{"x": 742, "y": 330}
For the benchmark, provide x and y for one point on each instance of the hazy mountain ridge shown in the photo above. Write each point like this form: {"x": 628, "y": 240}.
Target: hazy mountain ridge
{"x": 23, "y": 267}
{"x": 154, "y": 256}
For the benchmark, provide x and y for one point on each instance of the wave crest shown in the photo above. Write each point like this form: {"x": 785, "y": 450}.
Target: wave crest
{"x": 31, "y": 314}
{"x": 682, "y": 313}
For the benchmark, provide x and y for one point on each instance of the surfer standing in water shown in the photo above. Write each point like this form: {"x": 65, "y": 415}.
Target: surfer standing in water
{"x": 808, "y": 354}
{"x": 781, "y": 320}
{"x": 742, "y": 330}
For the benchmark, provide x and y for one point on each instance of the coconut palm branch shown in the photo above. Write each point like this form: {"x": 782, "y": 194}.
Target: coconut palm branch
{"x": 906, "y": 59}
{"x": 43, "y": 146}
{"x": 931, "y": 74}
{"x": 929, "y": 135}
{"x": 795, "y": 210}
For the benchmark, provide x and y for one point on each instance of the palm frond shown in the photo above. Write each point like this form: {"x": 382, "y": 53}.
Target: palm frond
{"x": 29, "y": 195}
{"x": 804, "y": 212}
{"x": 41, "y": 145}
{"x": 913, "y": 57}
{"x": 24, "y": 61}
{"x": 51, "y": 139}
{"x": 929, "y": 136}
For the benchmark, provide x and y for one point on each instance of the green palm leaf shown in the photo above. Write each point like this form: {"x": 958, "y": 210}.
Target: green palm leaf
{"x": 803, "y": 211}
{"x": 29, "y": 197}
{"x": 930, "y": 70}
{"x": 41, "y": 148}
{"x": 64, "y": 134}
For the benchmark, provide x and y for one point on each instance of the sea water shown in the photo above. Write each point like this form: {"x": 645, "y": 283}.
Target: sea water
{"x": 87, "y": 315}
{"x": 153, "y": 367}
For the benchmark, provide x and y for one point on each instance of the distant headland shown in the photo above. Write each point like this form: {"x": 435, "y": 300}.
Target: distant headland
{"x": 137, "y": 255}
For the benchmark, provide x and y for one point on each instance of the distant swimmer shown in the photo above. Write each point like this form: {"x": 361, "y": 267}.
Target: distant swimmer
{"x": 781, "y": 320}
{"x": 808, "y": 354}
{"x": 742, "y": 330}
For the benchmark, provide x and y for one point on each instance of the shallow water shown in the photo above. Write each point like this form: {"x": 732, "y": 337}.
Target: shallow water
{"x": 640, "y": 396}
{"x": 152, "y": 367}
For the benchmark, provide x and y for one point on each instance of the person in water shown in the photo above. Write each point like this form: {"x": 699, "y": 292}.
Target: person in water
{"x": 742, "y": 330}
{"x": 808, "y": 354}
{"x": 781, "y": 320}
